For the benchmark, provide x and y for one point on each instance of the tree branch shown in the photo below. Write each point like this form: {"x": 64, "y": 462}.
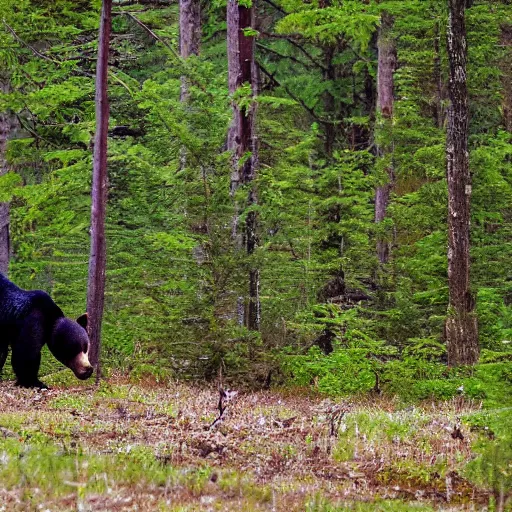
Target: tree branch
{"x": 42, "y": 55}
{"x": 152, "y": 34}
{"x": 293, "y": 96}
{"x": 276, "y": 7}
{"x": 291, "y": 57}
{"x": 31, "y": 48}
{"x": 291, "y": 40}
{"x": 34, "y": 133}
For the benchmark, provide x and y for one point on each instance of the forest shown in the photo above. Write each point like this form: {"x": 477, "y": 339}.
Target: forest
{"x": 290, "y": 223}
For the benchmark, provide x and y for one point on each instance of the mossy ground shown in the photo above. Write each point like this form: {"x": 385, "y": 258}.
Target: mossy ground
{"x": 146, "y": 446}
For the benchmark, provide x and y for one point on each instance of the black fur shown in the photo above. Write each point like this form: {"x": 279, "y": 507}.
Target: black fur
{"x": 28, "y": 320}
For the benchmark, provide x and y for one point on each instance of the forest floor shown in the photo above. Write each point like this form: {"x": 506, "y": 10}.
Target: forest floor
{"x": 148, "y": 447}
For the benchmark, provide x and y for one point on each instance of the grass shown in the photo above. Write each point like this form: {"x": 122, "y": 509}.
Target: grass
{"x": 147, "y": 446}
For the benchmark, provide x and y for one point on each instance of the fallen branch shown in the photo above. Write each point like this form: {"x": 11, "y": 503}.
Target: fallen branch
{"x": 225, "y": 396}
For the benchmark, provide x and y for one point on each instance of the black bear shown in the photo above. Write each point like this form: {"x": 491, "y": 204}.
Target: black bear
{"x": 28, "y": 320}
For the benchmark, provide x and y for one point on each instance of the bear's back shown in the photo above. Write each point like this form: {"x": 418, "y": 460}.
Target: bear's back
{"x": 15, "y": 304}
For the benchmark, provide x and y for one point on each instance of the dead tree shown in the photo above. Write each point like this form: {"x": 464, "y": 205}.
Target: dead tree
{"x": 242, "y": 140}
{"x": 386, "y": 64}
{"x": 5, "y": 129}
{"x": 461, "y": 327}
{"x": 97, "y": 259}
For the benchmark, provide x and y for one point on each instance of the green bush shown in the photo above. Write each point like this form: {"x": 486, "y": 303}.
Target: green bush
{"x": 492, "y": 469}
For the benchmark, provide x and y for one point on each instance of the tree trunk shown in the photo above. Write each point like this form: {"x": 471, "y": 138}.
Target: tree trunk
{"x": 242, "y": 138}
{"x": 461, "y": 328}
{"x": 5, "y": 128}
{"x": 329, "y": 102}
{"x": 385, "y": 67}
{"x": 190, "y": 41}
{"x": 97, "y": 260}
{"x": 240, "y": 71}
{"x": 190, "y": 35}
{"x": 251, "y": 223}
{"x": 506, "y": 77}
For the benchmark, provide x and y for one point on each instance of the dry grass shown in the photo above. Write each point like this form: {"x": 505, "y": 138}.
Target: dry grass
{"x": 144, "y": 447}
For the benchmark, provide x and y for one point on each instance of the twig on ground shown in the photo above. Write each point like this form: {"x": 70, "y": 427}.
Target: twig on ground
{"x": 225, "y": 396}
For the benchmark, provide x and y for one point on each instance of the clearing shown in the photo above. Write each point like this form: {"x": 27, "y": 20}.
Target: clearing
{"x": 147, "y": 447}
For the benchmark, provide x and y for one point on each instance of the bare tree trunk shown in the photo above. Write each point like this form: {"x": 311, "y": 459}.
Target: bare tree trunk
{"x": 97, "y": 260}
{"x": 251, "y": 223}
{"x": 190, "y": 35}
{"x": 190, "y": 41}
{"x": 241, "y": 137}
{"x": 385, "y": 67}
{"x": 461, "y": 327}
{"x": 506, "y": 70}
{"x": 5, "y": 128}
{"x": 240, "y": 66}
{"x": 190, "y": 27}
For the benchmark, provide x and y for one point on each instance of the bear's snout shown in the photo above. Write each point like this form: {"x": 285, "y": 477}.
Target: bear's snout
{"x": 85, "y": 374}
{"x": 81, "y": 366}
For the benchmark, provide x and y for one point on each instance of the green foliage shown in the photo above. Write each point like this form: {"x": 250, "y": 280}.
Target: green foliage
{"x": 492, "y": 467}
{"x": 342, "y": 373}
{"x": 8, "y": 184}
{"x": 366, "y": 365}
{"x": 346, "y": 19}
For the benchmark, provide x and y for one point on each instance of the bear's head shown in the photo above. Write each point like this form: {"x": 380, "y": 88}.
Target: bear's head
{"x": 70, "y": 345}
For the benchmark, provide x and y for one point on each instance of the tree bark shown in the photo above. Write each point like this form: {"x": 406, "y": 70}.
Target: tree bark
{"x": 97, "y": 260}
{"x": 5, "y": 129}
{"x": 506, "y": 75}
{"x": 242, "y": 139}
{"x": 461, "y": 327}
{"x": 240, "y": 71}
{"x": 190, "y": 42}
{"x": 190, "y": 35}
{"x": 386, "y": 64}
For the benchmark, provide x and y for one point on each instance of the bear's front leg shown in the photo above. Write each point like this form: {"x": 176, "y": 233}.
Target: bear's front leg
{"x": 26, "y": 368}
{"x": 26, "y": 352}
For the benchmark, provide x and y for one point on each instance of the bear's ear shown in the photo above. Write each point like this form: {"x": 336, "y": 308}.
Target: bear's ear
{"x": 82, "y": 320}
